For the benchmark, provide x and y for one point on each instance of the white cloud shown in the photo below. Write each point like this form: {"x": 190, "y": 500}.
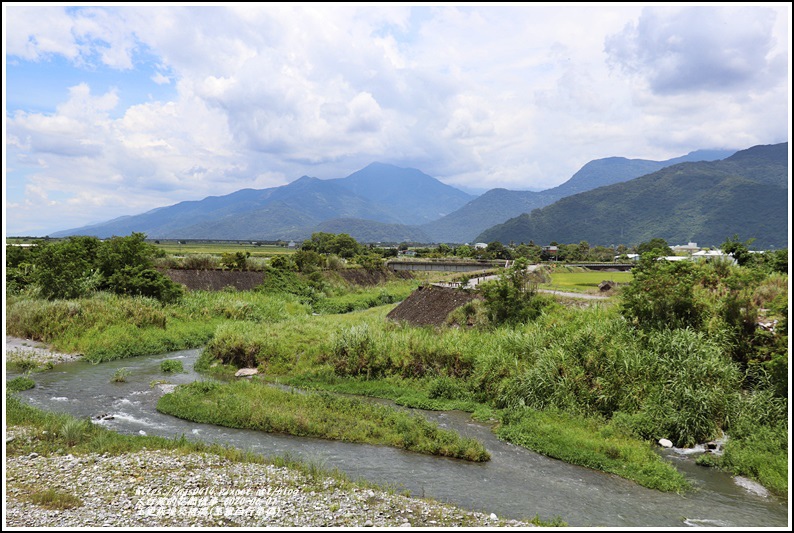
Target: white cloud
{"x": 161, "y": 79}
{"x": 511, "y": 96}
{"x": 699, "y": 48}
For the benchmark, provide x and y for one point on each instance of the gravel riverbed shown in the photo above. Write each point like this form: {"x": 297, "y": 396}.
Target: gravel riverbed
{"x": 24, "y": 350}
{"x": 167, "y": 489}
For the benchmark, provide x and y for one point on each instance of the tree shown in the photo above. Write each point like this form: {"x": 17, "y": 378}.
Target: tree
{"x": 138, "y": 280}
{"x": 342, "y": 244}
{"x": 67, "y": 269}
{"x": 531, "y": 252}
{"x": 464, "y": 251}
{"x": 444, "y": 250}
{"x": 308, "y": 260}
{"x": 131, "y": 251}
{"x": 661, "y": 295}
{"x": 235, "y": 261}
{"x": 345, "y": 246}
{"x": 497, "y": 250}
{"x": 658, "y": 247}
{"x": 512, "y": 298}
{"x": 740, "y": 251}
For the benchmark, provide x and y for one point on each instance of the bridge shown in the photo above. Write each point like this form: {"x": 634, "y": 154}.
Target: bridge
{"x": 472, "y": 266}
{"x": 446, "y": 266}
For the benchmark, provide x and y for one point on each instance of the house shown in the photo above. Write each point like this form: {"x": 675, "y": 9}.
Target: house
{"x": 480, "y": 246}
{"x": 712, "y": 255}
{"x": 689, "y": 248}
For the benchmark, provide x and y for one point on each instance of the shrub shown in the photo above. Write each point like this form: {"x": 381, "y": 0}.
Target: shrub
{"x": 172, "y": 365}
{"x": 19, "y": 384}
{"x": 661, "y": 295}
{"x": 200, "y": 262}
{"x": 512, "y": 298}
{"x": 142, "y": 281}
{"x": 74, "y": 430}
{"x": 54, "y": 499}
{"x": 120, "y": 376}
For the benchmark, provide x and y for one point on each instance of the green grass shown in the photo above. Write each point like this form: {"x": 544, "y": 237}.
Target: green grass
{"x": 678, "y": 384}
{"x": 174, "y": 248}
{"x": 19, "y": 384}
{"x": 252, "y": 405}
{"x": 172, "y": 365}
{"x": 120, "y": 375}
{"x": 44, "y": 433}
{"x": 105, "y": 327}
{"x": 407, "y": 392}
{"x": 589, "y": 443}
{"x": 53, "y": 499}
{"x": 365, "y": 298}
{"x": 583, "y": 281}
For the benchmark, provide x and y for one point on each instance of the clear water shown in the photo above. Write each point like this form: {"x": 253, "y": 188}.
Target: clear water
{"x": 516, "y": 483}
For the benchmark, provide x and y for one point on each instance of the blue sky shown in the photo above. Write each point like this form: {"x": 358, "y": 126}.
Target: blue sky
{"x": 116, "y": 110}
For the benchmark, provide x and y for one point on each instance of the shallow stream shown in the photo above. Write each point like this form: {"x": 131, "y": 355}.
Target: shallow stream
{"x": 516, "y": 483}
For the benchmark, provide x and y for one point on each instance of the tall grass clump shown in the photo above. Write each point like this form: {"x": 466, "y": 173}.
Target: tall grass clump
{"x": 758, "y": 442}
{"x": 19, "y": 384}
{"x": 106, "y": 326}
{"x": 201, "y": 262}
{"x": 172, "y": 365}
{"x": 53, "y": 499}
{"x": 74, "y": 431}
{"x": 265, "y": 408}
{"x": 377, "y": 351}
{"x": 588, "y": 442}
{"x": 676, "y": 384}
{"x": 237, "y": 344}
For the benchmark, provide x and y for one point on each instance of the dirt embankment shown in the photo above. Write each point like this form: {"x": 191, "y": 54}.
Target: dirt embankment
{"x": 360, "y": 276}
{"x": 216, "y": 280}
{"x": 429, "y": 305}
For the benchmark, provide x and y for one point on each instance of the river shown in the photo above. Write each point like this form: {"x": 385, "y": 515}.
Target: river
{"x": 516, "y": 483}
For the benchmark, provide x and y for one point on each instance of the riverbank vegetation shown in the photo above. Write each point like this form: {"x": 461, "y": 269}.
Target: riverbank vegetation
{"x": 45, "y": 433}
{"x": 687, "y": 351}
{"x": 243, "y": 404}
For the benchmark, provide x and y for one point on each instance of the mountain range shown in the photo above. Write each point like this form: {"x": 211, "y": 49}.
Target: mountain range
{"x": 386, "y": 203}
{"x": 704, "y": 202}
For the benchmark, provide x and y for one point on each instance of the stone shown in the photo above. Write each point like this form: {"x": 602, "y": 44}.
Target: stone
{"x": 245, "y": 372}
{"x": 606, "y": 285}
{"x": 494, "y": 517}
{"x": 166, "y": 388}
{"x": 664, "y": 443}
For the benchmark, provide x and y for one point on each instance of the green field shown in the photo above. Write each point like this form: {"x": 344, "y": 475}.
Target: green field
{"x": 218, "y": 248}
{"x": 584, "y": 281}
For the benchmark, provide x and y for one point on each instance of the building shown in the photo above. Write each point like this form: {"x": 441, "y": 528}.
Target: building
{"x": 712, "y": 255}
{"x": 689, "y": 248}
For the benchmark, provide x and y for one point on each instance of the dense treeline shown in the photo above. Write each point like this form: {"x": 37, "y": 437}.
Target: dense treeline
{"x": 78, "y": 266}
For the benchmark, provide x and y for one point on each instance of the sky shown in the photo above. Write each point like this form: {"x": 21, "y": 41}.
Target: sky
{"x": 116, "y": 110}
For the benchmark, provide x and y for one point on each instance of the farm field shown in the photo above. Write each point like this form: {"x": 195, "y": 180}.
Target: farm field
{"x": 218, "y": 248}
{"x": 586, "y": 281}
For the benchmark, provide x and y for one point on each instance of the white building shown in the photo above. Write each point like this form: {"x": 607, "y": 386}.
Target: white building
{"x": 689, "y": 248}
